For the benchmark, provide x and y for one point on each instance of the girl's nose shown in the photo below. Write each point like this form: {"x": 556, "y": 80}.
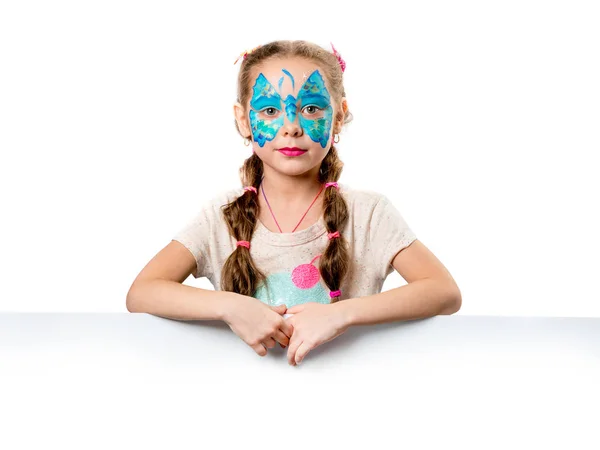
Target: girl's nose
{"x": 292, "y": 128}
{"x": 291, "y": 120}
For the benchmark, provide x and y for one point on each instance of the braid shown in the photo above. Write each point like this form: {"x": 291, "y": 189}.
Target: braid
{"x": 333, "y": 264}
{"x": 240, "y": 274}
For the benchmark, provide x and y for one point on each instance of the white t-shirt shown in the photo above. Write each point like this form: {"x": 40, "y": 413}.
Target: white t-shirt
{"x": 375, "y": 233}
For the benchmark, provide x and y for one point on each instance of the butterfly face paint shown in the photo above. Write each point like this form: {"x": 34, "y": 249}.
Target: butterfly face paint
{"x": 265, "y": 98}
{"x": 313, "y": 94}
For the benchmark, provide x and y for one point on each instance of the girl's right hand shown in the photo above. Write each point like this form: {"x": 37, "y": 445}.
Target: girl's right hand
{"x": 258, "y": 324}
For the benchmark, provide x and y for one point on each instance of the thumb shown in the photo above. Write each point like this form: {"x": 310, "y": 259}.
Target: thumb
{"x": 279, "y": 308}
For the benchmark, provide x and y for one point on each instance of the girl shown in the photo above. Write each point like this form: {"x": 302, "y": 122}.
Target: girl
{"x": 295, "y": 256}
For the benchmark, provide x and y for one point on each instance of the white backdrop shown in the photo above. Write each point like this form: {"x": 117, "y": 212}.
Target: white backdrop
{"x": 479, "y": 120}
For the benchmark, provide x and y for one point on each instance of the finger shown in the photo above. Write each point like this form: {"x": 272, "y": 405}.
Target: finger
{"x": 279, "y": 309}
{"x": 302, "y": 352}
{"x": 287, "y": 327}
{"x": 291, "y": 354}
{"x": 269, "y": 342}
{"x": 259, "y": 349}
{"x": 295, "y": 309}
{"x": 282, "y": 338}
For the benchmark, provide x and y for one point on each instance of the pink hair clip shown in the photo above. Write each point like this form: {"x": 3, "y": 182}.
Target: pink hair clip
{"x": 250, "y": 188}
{"x": 245, "y": 54}
{"x": 333, "y": 294}
{"x": 339, "y": 58}
{"x": 332, "y": 183}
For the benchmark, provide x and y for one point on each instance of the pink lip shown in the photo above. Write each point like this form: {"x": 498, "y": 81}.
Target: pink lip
{"x": 292, "y": 151}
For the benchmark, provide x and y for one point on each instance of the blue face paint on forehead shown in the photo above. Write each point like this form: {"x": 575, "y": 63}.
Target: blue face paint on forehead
{"x": 313, "y": 93}
{"x": 290, "y": 101}
{"x": 281, "y": 79}
{"x": 264, "y": 94}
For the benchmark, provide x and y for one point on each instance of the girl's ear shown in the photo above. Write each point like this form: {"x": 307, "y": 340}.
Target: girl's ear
{"x": 241, "y": 119}
{"x": 341, "y": 115}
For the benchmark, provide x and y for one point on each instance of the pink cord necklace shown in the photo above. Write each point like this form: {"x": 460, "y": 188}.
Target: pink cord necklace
{"x": 313, "y": 202}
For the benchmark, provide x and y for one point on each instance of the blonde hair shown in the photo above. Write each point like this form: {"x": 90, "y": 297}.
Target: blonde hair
{"x": 240, "y": 274}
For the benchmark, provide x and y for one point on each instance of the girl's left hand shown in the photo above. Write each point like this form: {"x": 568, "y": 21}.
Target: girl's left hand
{"x": 313, "y": 324}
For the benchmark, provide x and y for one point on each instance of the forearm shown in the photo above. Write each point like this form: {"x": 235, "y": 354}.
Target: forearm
{"x": 416, "y": 300}
{"x": 177, "y": 301}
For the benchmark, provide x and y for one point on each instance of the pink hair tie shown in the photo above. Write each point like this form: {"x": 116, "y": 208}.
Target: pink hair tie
{"x": 250, "y": 188}
{"x": 332, "y": 183}
{"x": 333, "y": 294}
{"x": 243, "y": 243}
{"x": 333, "y": 235}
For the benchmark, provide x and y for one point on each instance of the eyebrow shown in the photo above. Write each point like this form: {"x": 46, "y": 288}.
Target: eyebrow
{"x": 261, "y": 101}
{"x": 316, "y": 98}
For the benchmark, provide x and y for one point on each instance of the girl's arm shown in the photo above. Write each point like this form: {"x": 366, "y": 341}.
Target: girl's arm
{"x": 173, "y": 300}
{"x": 416, "y": 300}
{"x": 431, "y": 290}
{"x": 158, "y": 289}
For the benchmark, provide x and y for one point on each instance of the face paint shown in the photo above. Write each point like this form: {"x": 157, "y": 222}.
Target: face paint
{"x": 265, "y": 97}
{"x": 291, "y": 78}
{"x": 290, "y": 108}
{"x": 312, "y": 93}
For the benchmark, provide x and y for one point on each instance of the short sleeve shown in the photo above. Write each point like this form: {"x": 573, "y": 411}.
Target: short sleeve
{"x": 388, "y": 234}
{"x": 195, "y": 236}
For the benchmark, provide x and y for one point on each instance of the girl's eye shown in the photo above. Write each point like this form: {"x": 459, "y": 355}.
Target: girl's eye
{"x": 273, "y": 111}
{"x": 313, "y": 109}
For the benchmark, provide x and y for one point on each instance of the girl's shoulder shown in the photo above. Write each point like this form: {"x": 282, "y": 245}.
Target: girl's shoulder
{"x": 361, "y": 196}
{"x": 222, "y": 198}
{"x": 366, "y": 205}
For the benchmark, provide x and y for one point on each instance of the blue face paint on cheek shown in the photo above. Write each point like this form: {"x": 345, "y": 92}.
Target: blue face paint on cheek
{"x": 264, "y": 130}
{"x": 314, "y": 92}
{"x": 264, "y": 96}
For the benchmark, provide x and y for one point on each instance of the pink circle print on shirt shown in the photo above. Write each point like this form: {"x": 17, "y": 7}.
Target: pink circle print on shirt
{"x": 295, "y": 288}
{"x": 306, "y": 276}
